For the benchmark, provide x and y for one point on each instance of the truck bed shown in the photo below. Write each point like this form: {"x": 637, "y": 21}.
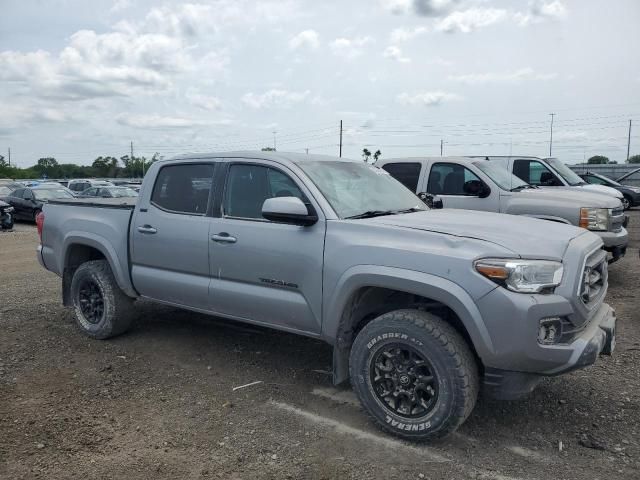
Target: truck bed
{"x": 125, "y": 203}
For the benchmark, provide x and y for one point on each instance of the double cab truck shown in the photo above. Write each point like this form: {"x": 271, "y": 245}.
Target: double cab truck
{"x": 420, "y": 306}
{"x": 478, "y": 184}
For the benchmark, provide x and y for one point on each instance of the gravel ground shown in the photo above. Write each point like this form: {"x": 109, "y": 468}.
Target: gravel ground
{"x": 158, "y": 403}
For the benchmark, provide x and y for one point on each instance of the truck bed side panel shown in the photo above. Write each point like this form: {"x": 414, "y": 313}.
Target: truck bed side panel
{"x": 103, "y": 227}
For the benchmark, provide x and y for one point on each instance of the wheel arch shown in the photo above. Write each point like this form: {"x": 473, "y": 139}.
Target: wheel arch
{"x": 365, "y": 292}
{"x": 81, "y": 249}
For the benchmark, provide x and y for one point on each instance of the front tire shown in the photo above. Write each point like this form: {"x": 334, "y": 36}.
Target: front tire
{"x": 414, "y": 374}
{"x": 626, "y": 202}
{"x": 102, "y": 310}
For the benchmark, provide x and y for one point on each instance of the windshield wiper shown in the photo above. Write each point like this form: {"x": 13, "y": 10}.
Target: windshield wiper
{"x": 521, "y": 187}
{"x": 409, "y": 210}
{"x": 372, "y": 213}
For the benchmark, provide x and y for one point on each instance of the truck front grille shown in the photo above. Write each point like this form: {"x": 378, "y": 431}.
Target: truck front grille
{"x": 594, "y": 278}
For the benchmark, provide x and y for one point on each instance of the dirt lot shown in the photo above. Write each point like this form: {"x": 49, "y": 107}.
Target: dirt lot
{"x": 158, "y": 402}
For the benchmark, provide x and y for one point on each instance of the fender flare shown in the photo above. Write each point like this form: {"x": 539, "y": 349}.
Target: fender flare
{"x": 103, "y": 246}
{"x": 410, "y": 281}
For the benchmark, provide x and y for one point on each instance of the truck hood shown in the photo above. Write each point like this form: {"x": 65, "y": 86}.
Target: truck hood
{"x": 576, "y": 196}
{"x": 592, "y": 189}
{"x": 522, "y": 236}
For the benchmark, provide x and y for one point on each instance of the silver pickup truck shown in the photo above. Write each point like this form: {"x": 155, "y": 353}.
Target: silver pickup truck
{"x": 420, "y": 306}
{"x": 478, "y": 184}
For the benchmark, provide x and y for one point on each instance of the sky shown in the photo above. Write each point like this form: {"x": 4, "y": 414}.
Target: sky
{"x": 82, "y": 79}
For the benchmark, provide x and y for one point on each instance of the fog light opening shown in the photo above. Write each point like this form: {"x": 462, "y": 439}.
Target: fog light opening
{"x": 550, "y": 331}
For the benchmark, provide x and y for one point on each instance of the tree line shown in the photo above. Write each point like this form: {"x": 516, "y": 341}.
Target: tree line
{"x": 110, "y": 167}
{"x": 601, "y": 159}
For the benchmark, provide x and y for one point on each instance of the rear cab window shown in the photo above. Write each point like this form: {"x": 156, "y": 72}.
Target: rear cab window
{"x": 407, "y": 174}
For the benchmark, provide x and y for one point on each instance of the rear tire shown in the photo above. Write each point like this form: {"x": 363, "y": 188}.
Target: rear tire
{"x": 102, "y": 310}
{"x": 424, "y": 393}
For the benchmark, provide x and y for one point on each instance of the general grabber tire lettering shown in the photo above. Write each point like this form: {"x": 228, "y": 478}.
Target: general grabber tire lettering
{"x": 102, "y": 310}
{"x": 414, "y": 374}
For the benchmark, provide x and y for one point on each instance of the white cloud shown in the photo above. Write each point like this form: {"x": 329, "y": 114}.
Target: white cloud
{"x": 540, "y": 10}
{"x": 428, "y": 99}
{"x": 423, "y": 8}
{"x": 472, "y": 19}
{"x": 119, "y": 5}
{"x": 274, "y": 98}
{"x": 399, "y": 35}
{"x": 395, "y": 53}
{"x": 155, "y": 121}
{"x": 526, "y": 73}
{"x": 397, "y": 7}
{"x": 306, "y": 38}
{"x": 350, "y": 48}
{"x": 205, "y": 102}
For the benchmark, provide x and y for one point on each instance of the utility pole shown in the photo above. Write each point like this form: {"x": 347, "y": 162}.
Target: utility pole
{"x": 131, "y": 158}
{"x": 274, "y": 139}
{"x": 9, "y": 153}
{"x": 551, "y": 134}
{"x": 441, "y": 146}
{"x": 306, "y": 150}
{"x": 340, "y": 138}
{"x": 628, "y": 141}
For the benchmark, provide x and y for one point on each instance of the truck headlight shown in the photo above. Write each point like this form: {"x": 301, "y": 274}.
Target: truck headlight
{"x": 595, "y": 218}
{"x": 524, "y": 276}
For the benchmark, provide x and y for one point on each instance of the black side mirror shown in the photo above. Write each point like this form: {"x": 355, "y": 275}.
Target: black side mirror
{"x": 432, "y": 201}
{"x": 548, "y": 179}
{"x": 476, "y": 188}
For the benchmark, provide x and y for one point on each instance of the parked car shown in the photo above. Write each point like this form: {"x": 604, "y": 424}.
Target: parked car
{"x": 548, "y": 172}
{"x": 80, "y": 185}
{"x": 6, "y": 216}
{"x": 631, "y": 194}
{"x": 7, "y": 186}
{"x": 478, "y": 184}
{"x": 28, "y": 202}
{"x": 630, "y": 178}
{"x": 108, "y": 192}
{"x": 420, "y": 305}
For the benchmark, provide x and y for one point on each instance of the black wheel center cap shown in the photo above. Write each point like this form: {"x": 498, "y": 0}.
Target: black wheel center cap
{"x": 404, "y": 379}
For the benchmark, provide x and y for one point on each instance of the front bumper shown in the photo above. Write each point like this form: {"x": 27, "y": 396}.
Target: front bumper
{"x": 615, "y": 243}
{"x": 597, "y": 338}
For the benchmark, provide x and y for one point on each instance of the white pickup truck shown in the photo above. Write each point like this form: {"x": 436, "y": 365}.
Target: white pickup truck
{"x": 478, "y": 184}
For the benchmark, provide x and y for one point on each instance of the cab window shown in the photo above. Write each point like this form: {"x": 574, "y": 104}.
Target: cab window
{"x": 183, "y": 188}
{"x": 534, "y": 173}
{"x": 248, "y": 186}
{"x": 406, "y": 173}
{"x": 449, "y": 179}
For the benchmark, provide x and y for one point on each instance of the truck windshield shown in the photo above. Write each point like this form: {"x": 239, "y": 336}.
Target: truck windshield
{"x": 565, "y": 172}
{"x": 501, "y": 176}
{"x": 354, "y": 189}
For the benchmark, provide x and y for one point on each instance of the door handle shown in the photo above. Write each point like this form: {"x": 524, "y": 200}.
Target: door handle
{"x": 147, "y": 229}
{"x": 224, "y": 237}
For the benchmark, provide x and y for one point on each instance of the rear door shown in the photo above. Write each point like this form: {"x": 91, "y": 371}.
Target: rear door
{"x": 447, "y": 180}
{"x": 263, "y": 271}
{"x": 170, "y": 235}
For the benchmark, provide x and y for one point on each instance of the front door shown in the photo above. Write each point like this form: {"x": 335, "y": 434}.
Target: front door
{"x": 448, "y": 181}
{"x": 263, "y": 271}
{"x": 170, "y": 236}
